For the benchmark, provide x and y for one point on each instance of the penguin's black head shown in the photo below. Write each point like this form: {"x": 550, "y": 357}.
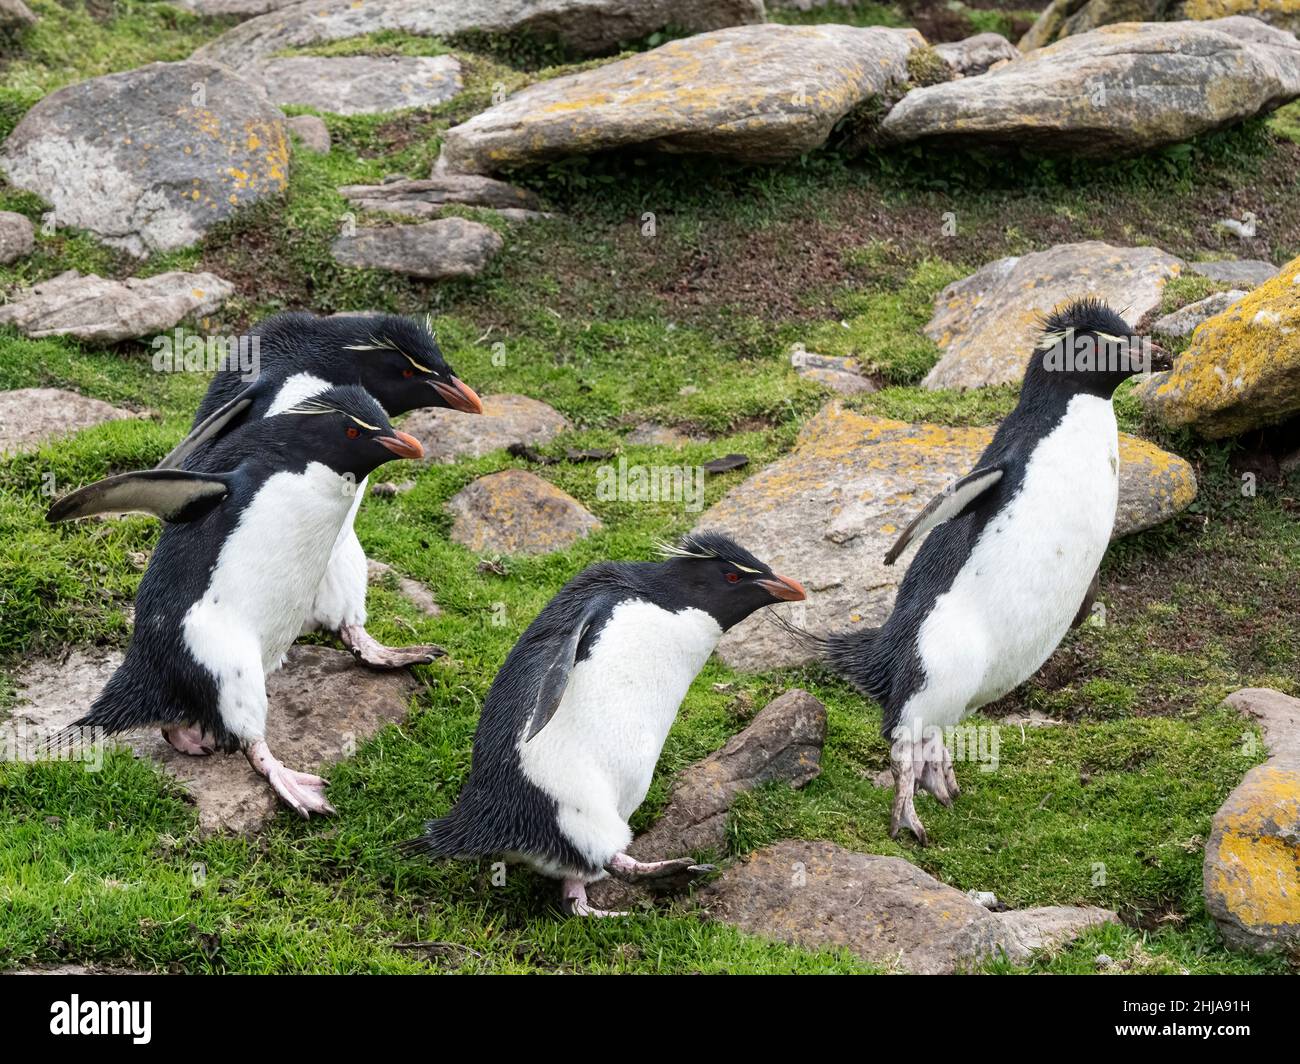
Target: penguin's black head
{"x": 1086, "y": 347}
{"x": 715, "y": 574}
{"x": 397, "y": 360}
{"x": 345, "y": 429}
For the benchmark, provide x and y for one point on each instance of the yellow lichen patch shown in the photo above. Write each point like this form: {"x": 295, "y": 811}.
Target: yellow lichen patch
{"x": 1255, "y": 873}
{"x": 1242, "y": 369}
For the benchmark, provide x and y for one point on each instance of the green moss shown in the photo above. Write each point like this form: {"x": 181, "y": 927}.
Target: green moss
{"x": 925, "y": 66}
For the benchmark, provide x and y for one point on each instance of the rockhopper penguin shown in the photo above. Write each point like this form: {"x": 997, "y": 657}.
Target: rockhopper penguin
{"x": 397, "y": 361}
{"x": 576, "y": 718}
{"x": 1014, "y": 552}
{"x": 249, "y": 527}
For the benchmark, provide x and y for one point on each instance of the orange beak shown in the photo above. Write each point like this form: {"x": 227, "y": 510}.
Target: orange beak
{"x": 783, "y": 587}
{"x": 459, "y": 396}
{"x": 403, "y": 445}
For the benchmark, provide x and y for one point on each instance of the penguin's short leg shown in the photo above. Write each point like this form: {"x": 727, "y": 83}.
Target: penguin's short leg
{"x": 937, "y": 774}
{"x": 678, "y": 872}
{"x": 373, "y": 654}
{"x": 302, "y": 790}
{"x": 189, "y": 739}
{"x": 903, "y": 815}
{"x": 574, "y": 895}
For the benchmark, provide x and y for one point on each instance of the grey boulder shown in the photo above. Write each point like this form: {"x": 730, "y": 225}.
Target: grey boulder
{"x": 17, "y": 237}
{"x": 360, "y": 84}
{"x": 437, "y": 250}
{"x": 1184, "y": 320}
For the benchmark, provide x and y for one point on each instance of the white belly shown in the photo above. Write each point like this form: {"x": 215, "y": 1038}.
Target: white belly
{"x": 1013, "y": 601}
{"x": 271, "y": 565}
{"x": 598, "y": 753}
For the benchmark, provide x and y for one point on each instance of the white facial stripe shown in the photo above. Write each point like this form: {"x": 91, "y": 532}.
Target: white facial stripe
{"x": 422, "y": 369}
{"x": 372, "y": 428}
{"x": 745, "y": 569}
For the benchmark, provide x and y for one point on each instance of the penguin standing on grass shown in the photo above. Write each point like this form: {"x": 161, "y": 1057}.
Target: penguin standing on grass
{"x": 299, "y": 356}
{"x": 1014, "y": 551}
{"x": 576, "y": 718}
{"x": 250, "y": 525}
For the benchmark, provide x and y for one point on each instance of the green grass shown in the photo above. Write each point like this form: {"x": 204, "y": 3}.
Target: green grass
{"x": 690, "y": 328}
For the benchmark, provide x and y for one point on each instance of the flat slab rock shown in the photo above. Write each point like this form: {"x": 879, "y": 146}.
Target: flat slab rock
{"x": 1184, "y": 320}
{"x": 105, "y": 310}
{"x": 583, "y": 25}
{"x": 884, "y": 910}
{"x": 426, "y": 198}
{"x": 30, "y": 416}
{"x": 1252, "y": 857}
{"x": 437, "y": 250}
{"x": 827, "y": 512}
{"x": 1240, "y": 273}
{"x": 1242, "y": 368}
{"x": 507, "y": 420}
{"x": 987, "y": 324}
{"x": 1062, "y": 18}
{"x": 754, "y": 93}
{"x": 517, "y": 512}
{"x": 360, "y": 84}
{"x": 783, "y": 742}
{"x": 233, "y": 8}
{"x": 1121, "y": 89}
{"x": 134, "y": 159}
{"x": 321, "y": 705}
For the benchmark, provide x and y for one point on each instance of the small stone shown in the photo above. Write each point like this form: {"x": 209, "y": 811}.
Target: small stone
{"x": 104, "y": 310}
{"x": 416, "y": 593}
{"x": 312, "y": 133}
{"x": 839, "y": 374}
{"x": 387, "y": 489}
{"x": 426, "y": 198}
{"x": 17, "y": 237}
{"x": 1240, "y": 273}
{"x": 974, "y": 55}
{"x": 649, "y": 434}
{"x": 507, "y": 421}
{"x": 985, "y": 898}
{"x": 517, "y": 512}
{"x": 1184, "y": 320}
{"x": 360, "y": 84}
{"x": 1103, "y": 960}
{"x": 30, "y": 416}
{"x": 438, "y": 250}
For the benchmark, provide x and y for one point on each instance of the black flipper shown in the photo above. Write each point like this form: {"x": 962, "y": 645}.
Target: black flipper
{"x": 210, "y": 427}
{"x": 951, "y": 502}
{"x": 551, "y": 690}
{"x": 172, "y": 494}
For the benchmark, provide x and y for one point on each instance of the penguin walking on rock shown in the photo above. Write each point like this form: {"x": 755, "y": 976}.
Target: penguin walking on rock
{"x": 299, "y": 356}
{"x": 576, "y": 718}
{"x": 1012, "y": 561}
{"x": 249, "y": 528}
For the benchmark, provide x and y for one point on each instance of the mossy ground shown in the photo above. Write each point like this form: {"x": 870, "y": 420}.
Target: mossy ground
{"x": 1109, "y": 806}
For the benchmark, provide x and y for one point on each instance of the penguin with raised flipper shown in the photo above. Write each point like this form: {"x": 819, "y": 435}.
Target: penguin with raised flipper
{"x": 576, "y": 718}
{"x": 250, "y": 524}
{"x": 1015, "y": 549}
{"x": 298, "y": 356}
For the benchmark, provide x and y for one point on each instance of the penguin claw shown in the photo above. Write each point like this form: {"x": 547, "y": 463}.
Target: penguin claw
{"x": 302, "y": 791}
{"x": 374, "y": 655}
{"x": 904, "y": 816}
{"x": 668, "y": 875}
{"x": 575, "y": 901}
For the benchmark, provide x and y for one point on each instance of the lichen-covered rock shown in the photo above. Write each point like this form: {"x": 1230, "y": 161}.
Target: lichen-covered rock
{"x": 233, "y": 8}
{"x": 426, "y": 198}
{"x": 974, "y": 55}
{"x": 506, "y": 421}
{"x": 99, "y": 308}
{"x": 1184, "y": 320}
{"x": 986, "y": 324}
{"x": 17, "y": 237}
{"x": 1242, "y": 369}
{"x": 360, "y": 84}
{"x": 516, "y": 512}
{"x": 583, "y": 25}
{"x": 884, "y": 910}
{"x": 755, "y": 93}
{"x": 150, "y": 159}
{"x": 1119, "y": 90}
{"x": 437, "y": 250}
{"x": 15, "y": 15}
{"x": 1063, "y": 18}
{"x": 1252, "y": 857}
{"x": 30, "y": 416}
{"x": 828, "y": 511}
{"x": 321, "y": 706}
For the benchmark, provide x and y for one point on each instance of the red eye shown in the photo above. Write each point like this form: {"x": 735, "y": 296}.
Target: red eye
{"x": 353, "y": 432}
{"x": 408, "y": 372}
{"x": 732, "y": 577}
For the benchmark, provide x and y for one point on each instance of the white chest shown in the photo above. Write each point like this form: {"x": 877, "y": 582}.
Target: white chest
{"x": 600, "y": 748}
{"x": 1024, "y": 582}
{"x": 271, "y": 564}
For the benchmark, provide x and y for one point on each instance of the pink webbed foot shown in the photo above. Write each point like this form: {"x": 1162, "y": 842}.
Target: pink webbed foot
{"x": 374, "y": 655}
{"x": 574, "y": 899}
{"x": 301, "y": 790}
{"x": 188, "y": 739}
{"x": 665, "y": 874}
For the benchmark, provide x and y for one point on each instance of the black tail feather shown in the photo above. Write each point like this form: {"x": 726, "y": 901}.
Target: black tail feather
{"x": 442, "y": 838}
{"x": 848, "y": 654}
